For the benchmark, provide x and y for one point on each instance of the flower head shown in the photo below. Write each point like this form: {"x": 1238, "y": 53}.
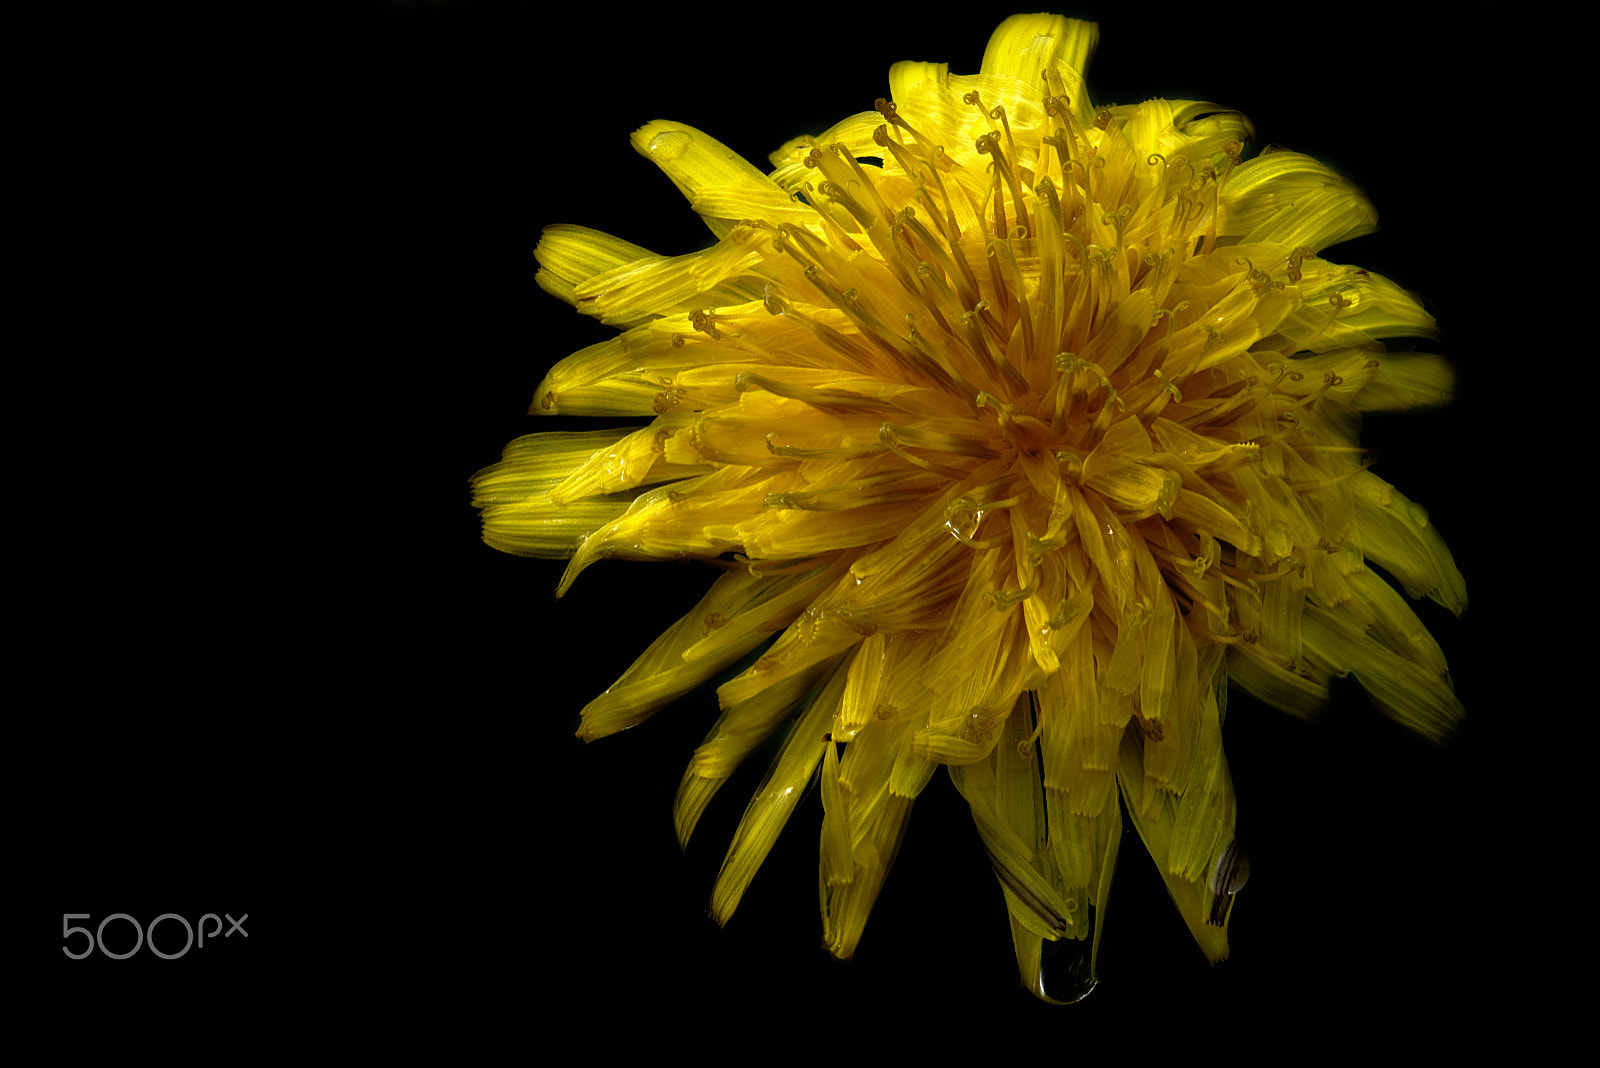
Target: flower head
{"x": 1017, "y": 428}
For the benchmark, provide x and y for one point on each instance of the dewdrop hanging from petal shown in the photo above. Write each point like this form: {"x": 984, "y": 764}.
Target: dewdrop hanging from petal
{"x": 1016, "y": 428}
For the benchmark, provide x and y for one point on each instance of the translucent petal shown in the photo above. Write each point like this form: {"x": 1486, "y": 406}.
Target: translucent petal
{"x": 1350, "y": 306}
{"x": 679, "y": 519}
{"x": 912, "y": 79}
{"x": 1372, "y": 381}
{"x": 634, "y": 461}
{"x": 1396, "y": 625}
{"x": 1397, "y": 536}
{"x": 1211, "y": 127}
{"x": 1406, "y": 380}
{"x": 1079, "y": 750}
{"x": 745, "y": 724}
{"x": 1205, "y": 812}
{"x": 1404, "y": 690}
{"x": 1269, "y": 679}
{"x": 876, "y": 817}
{"x": 636, "y": 373}
{"x": 1024, "y": 45}
{"x": 719, "y": 183}
{"x": 1040, "y": 907}
{"x": 774, "y": 800}
{"x": 1154, "y": 814}
{"x": 570, "y": 255}
{"x": 518, "y": 514}
{"x": 1292, "y": 199}
{"x": 811, "y": 639}
{"x": 664, "y": 671}
{"x": 855, "y": 133}
{"x": 655, "y": 285}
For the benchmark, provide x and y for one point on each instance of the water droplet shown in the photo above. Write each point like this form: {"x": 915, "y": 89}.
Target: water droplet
{"x": 1064, "y": 973}
{"x": 670, "y": 144}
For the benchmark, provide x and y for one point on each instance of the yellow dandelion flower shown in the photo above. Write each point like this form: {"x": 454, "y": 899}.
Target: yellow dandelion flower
{"x": 1018, "y": 428}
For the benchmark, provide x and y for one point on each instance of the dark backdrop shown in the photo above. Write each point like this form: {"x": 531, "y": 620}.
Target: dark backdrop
{"x": 330, "y": 706}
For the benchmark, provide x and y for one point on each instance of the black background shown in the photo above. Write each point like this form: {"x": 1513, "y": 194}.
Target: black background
{"x": 291, "y": 682}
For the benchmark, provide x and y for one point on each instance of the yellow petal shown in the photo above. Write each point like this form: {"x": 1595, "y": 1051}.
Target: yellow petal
{"x": 1211, "y": 126}
{"x": 1294, "y": 200}
{"x": 1269, "y": 679}
{"x": 1397, "y": 536}
{"x": 1204, "y": 817}
{"x": 814, "y": 638}
{"x": 1025, "y": 45}
{"x": 1404, "y": 690}
{"x": 774, "y": 801}
{"x": 1156, "y": 824}
{"x": 912, "y": 79}
{"x": 663, "y": 672}
{"x": 1405, "y": 380}
{"x": 1349, "y": 306}
{"x": 845, "y": 907}
{"x": 877, "y": 820}
{"x": 719, "y": 183}
{"x": 745, "y": 724}
{"x": 1396, "y": 625}
{"x": 679, "y": 519}
{"x": 634, "y": 461}
{"x": 514, "y": 494}
{"x": 656, "y": 285}
{"x": 837, "y": 851}
{"x": 570, "y": 255}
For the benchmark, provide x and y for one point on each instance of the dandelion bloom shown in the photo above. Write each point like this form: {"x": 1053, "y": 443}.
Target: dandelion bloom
{"x": 1017, "y": 429}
